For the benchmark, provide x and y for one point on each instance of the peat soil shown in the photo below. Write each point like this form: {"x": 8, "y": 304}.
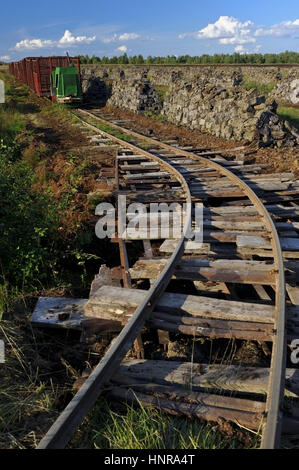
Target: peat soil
{"x": 280, "y": 160}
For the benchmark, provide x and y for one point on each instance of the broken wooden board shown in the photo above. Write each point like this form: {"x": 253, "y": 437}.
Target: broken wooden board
{"x": 293, "y": 293}
{"x": 119, "y": 303}
{"x": 59, "y": 312}
{"x": 237, "y": 271}
{"x": 232, "y": 378}
{"x": 203, "y": 406}
{"x": 165, "y": 321}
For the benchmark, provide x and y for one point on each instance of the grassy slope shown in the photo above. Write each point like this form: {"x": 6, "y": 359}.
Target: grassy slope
{"x": 45, "y": 249}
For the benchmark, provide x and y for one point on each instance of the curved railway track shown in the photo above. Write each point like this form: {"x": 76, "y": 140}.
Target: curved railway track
{"x": 235, "y": 221}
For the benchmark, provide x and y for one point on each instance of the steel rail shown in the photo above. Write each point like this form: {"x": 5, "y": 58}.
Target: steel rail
{"x": 62, "y": 430}
{"x": 64, "y": 427}
{"x": 272, "y": 428}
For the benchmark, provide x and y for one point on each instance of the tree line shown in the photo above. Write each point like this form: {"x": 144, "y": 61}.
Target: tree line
{"x": 286, "y": 57}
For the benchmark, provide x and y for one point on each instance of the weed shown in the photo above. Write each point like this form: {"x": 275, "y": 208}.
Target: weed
{"x": 157, "y": 117}
{"x": 137, "y": 427}
{"x": 161, "y": 92}
{"x": 289, "y": 114}
{"x": 261, "y": 88}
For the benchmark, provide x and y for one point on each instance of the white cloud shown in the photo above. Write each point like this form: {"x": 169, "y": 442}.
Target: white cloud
{"x": 121, "y": 37}
{"x": 257, "y": 48}
{"x": 4, "y": 57}
{"x": 286, "y": 28}
{"x": 68, "y": 39}
{"x": 237, "y": 40}
{"x": 128, "y": 36}
{"x": 111, "y": 39}
{"x": 230, "y": 30}
{"x": 241, "y": 49}
{"x": 34, "y": 44}
{"x": 122, "y": 48}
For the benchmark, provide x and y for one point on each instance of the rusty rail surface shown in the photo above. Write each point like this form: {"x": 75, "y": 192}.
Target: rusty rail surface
{"x": 62, "y": 430}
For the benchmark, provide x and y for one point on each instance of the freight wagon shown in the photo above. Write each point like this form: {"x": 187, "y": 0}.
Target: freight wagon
{"x": 56, "y": 78}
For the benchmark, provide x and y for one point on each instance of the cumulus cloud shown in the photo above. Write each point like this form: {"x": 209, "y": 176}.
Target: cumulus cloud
{"x": 122, "y": 49}
{"x": 68, "y": 39}
{"x": 285, "y": 28}
{"x": 230, "y": 30}
{"x": 227, "y": 27}
{"x": 34, "y": 44}
{"x": 237, "y": 40}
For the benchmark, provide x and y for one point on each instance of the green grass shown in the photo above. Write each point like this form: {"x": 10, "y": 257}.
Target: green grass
{"x": 161, "y": 92}
{"x": 157, "y": 117}
{"x": 59, "y": 111}
{"x": 289, "y": 114}
{"x": 29, "y": 390}
{"x": 111, "y": 130}
{"x": 261, "y": 88}
{"x": 119, "y": 135}
{"x": 146, "y": 428}
{"x": 34, "y": 253}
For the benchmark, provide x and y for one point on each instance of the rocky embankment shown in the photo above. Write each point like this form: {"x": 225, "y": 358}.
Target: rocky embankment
{"x": 216, "y": 100}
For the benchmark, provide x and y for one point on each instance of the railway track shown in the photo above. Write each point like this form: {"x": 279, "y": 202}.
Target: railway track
{"x": 239, "y": 275}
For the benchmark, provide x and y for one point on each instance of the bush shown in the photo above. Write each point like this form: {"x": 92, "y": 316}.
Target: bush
{"x": 28, "y": 222}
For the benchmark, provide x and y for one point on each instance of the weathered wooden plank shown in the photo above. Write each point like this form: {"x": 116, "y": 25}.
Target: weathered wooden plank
{"x": 60, "y": 312}
{"x": 115, "y": 303}
{"x": 212, "y": 323}
{"x": 249, "y": 272}
{"x": 146, "y": 166}
{"x": 248, "y": 241}
{"x": 287, "y": 244}
{"x": 140, "y": 176}
{"x": 178, "y": 393}
{"x": 201, "y": 410}
{"x": 261, "y": 292}
{"x": 213, "y": 287}
{"x": 132, "y": 157}
{"x": 210, "y": 331}
{"x": 265, "y": 185}
{"x": 293, "y": 292}
{"x": 155, "y": 229}
{"x": 203, "y": 376}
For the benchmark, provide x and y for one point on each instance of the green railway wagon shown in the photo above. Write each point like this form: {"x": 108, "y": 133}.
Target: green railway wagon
{"x": 65, "y": 85}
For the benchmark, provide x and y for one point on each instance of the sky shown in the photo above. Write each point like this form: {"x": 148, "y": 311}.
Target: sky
{"x": 156, "y": 27}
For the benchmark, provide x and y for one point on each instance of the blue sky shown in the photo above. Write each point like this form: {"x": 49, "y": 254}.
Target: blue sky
{"x": 157, "y": 27}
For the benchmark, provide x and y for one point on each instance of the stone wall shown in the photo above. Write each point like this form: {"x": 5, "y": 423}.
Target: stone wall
{"x": 136, "y": 95}
{"x": 214, "y": 99}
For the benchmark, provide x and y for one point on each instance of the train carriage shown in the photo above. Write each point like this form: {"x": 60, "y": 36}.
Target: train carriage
{"x": 57, "y": 78}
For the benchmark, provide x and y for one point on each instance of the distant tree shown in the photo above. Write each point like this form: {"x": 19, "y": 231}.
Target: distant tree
{"x": 287, "y": 57}
{"x": 140, "y": 60}
{"x": 123, "y": 59}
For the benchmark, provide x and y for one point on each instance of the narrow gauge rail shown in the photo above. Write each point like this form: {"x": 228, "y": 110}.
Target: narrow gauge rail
{"x": 176, "y": 165}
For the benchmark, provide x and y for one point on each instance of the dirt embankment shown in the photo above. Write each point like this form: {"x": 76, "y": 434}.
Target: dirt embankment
{"x": 280, "y": 160}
